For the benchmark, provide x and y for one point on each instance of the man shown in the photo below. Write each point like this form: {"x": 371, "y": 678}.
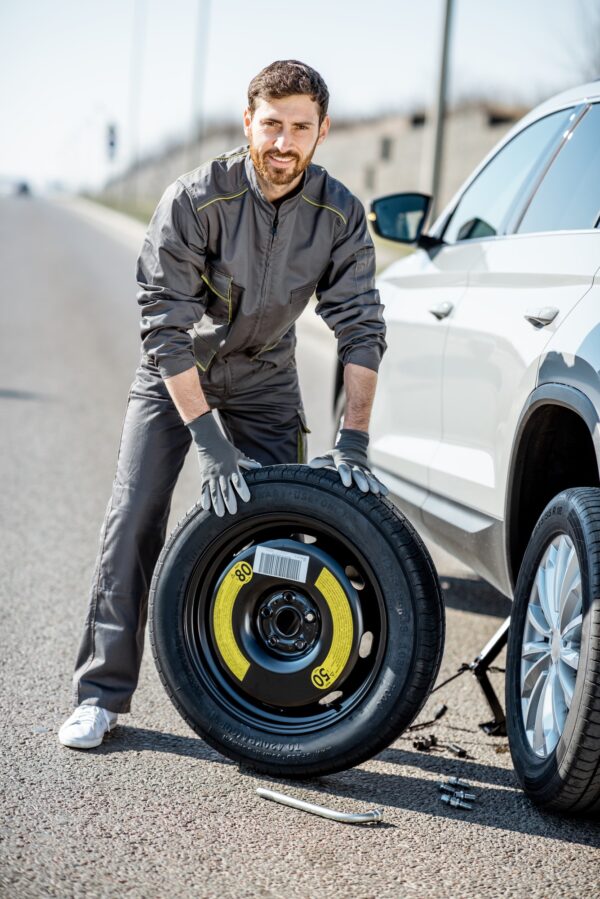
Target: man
{"x": 233, "y": 253}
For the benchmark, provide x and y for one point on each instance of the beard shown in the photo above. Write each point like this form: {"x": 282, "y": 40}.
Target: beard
{"x": 270, "y": 173}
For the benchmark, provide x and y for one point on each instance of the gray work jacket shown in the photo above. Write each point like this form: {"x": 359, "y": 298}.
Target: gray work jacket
{"x": 223, "y": 271}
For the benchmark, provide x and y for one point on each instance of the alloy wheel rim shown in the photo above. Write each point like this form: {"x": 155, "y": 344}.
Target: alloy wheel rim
{"x": 551, "y": 645}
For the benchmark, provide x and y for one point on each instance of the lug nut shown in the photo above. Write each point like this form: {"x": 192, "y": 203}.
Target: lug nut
{"x": 273, "y": 641}
{"x": 457, "y": 750}
{"x": 455, "y": 802}
{"x": 457, "y": 782}
{"x": 458, "y": 794}
{"x": 440, "y": 712}
{"x": 300, "y": 644}
{"x": 424, "y": 744}
{"x": 265, "y": 612}
{"x": 468, "y": 797}
{"x": 288, "y": 596}
{"x": 310, "y": 616}
{"x": 446, "y": 788}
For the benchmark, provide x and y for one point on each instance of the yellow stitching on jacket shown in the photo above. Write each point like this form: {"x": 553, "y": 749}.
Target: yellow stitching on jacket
{"x": 226, "y": 299}
{"x": 210, "y": 359}
{"x": 216, "y": 199}
{"x": 324, "y": 206}
{"x": 228, "y": 156}
{"x": 265, "y": 348}
{"x": 223, "y": 158}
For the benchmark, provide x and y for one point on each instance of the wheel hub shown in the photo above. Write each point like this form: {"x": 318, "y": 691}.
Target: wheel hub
{"x": 288, "y": 622}
{"x": 286, "y": 633}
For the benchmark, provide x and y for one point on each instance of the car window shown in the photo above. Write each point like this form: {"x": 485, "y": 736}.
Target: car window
{"x": 485, "y": 206}
{"x": 569, "y": 195}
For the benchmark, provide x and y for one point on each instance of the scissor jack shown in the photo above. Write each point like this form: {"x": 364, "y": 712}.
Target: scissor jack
{"x": 480, "y": 667}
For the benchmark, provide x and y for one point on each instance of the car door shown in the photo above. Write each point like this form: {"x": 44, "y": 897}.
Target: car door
{"x": 418, "y": 293}
{"x": 522, "y": 286}
{"x": 421, "y": 294}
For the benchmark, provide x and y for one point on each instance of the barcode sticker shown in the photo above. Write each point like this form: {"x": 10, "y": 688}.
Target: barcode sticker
{"x": 277, "y": 563}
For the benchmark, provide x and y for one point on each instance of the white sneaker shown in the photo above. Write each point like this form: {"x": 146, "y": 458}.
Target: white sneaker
{"x": 86, "y": 727}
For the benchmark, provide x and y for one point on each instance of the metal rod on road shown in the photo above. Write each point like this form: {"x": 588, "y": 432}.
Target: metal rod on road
{"x": 374, "y": 815}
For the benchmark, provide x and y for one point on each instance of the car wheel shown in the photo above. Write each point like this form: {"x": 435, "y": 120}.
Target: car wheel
{"x": 302, "y": 635}
{"x": 553, "y": 659}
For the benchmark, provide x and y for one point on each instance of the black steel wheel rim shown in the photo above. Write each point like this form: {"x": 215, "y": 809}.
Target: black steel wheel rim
{"x": 247, "y": 705}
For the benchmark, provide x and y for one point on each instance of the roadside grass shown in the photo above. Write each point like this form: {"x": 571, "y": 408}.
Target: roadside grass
{"x": 138, "y": 209}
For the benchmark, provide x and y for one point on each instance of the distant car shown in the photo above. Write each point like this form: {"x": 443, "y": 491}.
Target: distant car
{"x": 486, "y": 421}
{"x": 22, "y": 189}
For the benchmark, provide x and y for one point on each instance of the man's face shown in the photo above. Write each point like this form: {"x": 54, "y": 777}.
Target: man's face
{"x": 283, "y": 135}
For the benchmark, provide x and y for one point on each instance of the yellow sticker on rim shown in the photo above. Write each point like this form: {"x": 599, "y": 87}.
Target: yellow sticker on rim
{"x": 325, "y": 675}
{"x": 236, "y": 578}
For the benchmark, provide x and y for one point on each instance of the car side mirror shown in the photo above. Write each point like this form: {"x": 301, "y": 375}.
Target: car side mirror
{"x": 400, "y": 217}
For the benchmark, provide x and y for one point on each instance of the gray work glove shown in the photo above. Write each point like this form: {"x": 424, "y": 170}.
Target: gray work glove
{"x": 349, "y": 457}
{"x": 220, "y": 464}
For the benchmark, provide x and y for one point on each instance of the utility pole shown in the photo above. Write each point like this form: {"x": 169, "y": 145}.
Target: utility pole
{"x": 439, "y": 111}
{"x": 138, "y": 36}
{"x": 197, "y": 118}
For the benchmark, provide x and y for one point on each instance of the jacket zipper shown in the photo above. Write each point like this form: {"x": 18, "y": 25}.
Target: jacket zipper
{"x": 274, "y": 226}
{"x": 268, "y": 266}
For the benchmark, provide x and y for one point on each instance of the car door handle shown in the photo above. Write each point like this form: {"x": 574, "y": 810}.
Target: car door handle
{"x": 541, "y": 317}
{"x": 442, "y": 310}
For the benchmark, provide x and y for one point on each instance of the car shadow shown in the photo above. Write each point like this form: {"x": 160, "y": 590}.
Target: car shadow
{"x": 474, "y": 595}
{"x": 445, "y": 767}
{"x": 504, "y": 808}
{"x": 501, "y": 805}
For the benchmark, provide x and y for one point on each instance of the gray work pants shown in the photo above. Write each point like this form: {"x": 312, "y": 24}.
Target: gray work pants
{"x": 261, "y": 409}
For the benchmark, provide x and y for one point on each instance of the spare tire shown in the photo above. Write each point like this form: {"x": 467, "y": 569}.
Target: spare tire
{"x": 303, "y": 634}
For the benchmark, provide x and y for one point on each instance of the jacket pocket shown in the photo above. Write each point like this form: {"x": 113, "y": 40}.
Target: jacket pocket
{"x": 208, "y": 336}
{"x": 303, "y": 294}
{"x": 223, "y": 294}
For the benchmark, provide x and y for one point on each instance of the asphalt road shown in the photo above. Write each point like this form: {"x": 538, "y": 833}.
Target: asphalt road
{"x": 154, "y": 811}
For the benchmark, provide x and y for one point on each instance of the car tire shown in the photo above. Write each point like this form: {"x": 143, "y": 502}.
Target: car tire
{"x": 553, "y": 657}
{"x": 269, "y": 715}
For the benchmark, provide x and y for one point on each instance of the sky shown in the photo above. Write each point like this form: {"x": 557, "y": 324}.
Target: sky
{"x": 69, "y": 67}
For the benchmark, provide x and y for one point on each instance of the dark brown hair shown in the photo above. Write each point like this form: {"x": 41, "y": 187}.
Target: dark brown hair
{"x": 284, "y": 78}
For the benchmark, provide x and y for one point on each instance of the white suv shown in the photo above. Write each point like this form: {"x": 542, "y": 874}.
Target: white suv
{"x": 486, "y": 421}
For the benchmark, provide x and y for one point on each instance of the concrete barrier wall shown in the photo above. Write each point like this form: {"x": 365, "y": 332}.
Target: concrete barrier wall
{"x": 374, "y": 157}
